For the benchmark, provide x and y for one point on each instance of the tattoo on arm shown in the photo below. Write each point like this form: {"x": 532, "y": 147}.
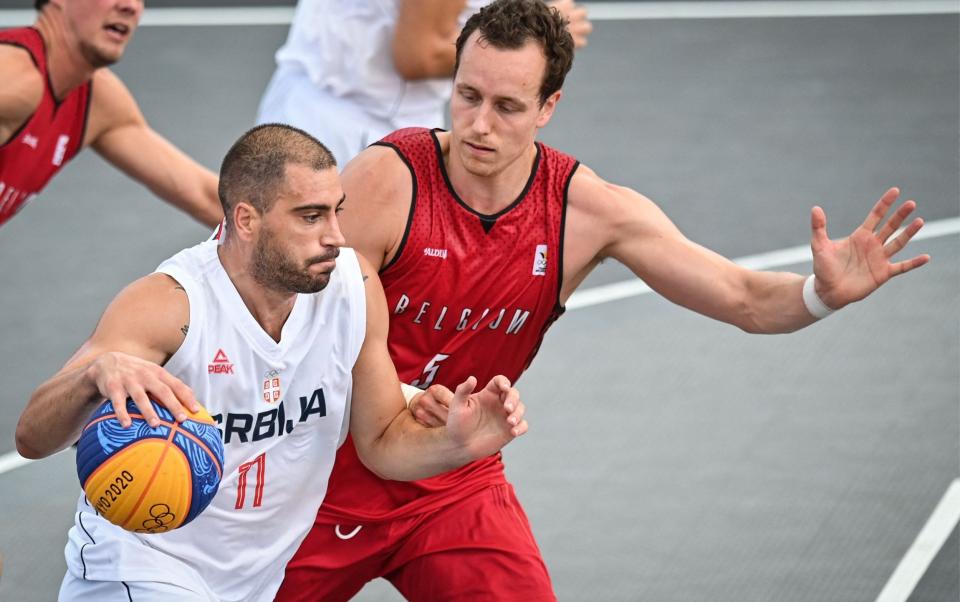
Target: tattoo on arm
{"x": 364, "y": 277}
{"x": 185, "y": 329}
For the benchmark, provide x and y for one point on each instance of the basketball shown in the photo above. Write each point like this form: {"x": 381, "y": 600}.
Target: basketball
{"x": 145, "y": 479}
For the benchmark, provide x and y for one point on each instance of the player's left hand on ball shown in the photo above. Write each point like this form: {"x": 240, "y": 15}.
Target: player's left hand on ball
{"x": 431, "y": 407}
{"x": 486, "y": 420}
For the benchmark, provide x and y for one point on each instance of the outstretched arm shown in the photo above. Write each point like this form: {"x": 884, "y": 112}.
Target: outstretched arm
{"x": 391, "y": 442}
{"x": 632, "y": 229}
{"x": 139, "y": 331}
{"x": 119, "y": 132}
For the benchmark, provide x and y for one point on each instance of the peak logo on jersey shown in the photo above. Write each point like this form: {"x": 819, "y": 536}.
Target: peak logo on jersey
{"x": 61, "y": 150}
{"x": 220, "y": 364}
{"x": 441, "y": 253}
{"x": 540, "y": 261}
{"x": 271, "y": 387}
{"x": 31, "y": 141}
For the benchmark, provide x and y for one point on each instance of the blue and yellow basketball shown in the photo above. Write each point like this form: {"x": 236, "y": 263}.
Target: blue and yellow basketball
{"x": 145, "y": 479}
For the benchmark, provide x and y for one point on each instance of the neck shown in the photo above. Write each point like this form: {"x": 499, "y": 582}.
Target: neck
{"x": 488, "y": 194}
{"x": 65, "y": 63}
{"x": 270, "y": 308}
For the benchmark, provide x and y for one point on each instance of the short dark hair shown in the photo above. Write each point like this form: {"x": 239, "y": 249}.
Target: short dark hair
{"x": 509, "y": 24}
{"x": 38, "y": 4}
{"x": 254, "y": 168}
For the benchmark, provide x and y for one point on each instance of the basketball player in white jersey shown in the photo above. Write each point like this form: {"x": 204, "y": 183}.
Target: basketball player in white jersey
{"x": 352, "y": 72}
{"x": 268, "y": 309}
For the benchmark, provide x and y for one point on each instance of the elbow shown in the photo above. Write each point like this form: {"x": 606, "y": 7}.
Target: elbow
{"x": 24, "y": 444}
{"x": 415, "y": 62}
{"x": 411, "y": 68}
{"x": 375, "y": 462}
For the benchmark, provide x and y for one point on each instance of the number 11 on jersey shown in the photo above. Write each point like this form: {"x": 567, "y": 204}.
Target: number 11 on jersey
{"x": 260, "y": 462}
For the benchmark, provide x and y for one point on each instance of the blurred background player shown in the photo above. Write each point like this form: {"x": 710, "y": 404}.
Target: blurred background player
{"x": 352, "y": 72}
{"x": 58, "y": 97}
{"x": 278, "y": 297}
{"x": 481, "y": 234}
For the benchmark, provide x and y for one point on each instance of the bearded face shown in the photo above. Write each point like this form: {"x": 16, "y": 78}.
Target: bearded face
{"x": 276, "y": 267}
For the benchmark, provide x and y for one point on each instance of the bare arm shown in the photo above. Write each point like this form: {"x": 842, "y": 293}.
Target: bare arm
{"x": 21, "y": 91}
{"x": 627, "y": 226}
{"x": 424, "y": 41}
{"x": 139, "y": 331}
{"x": 390, "y": 441}
{"x": 379, "y": 190}
{"x": 118, "y": 131}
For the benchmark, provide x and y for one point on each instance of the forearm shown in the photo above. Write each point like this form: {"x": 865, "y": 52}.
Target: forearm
{"x": 56, "y": 413}
{"x": 195, "y": 194}
{"x": 167, "y": 171}
{"x": 424, "y": 59}
{"x": 408, "y": 451}
{"x": 774, "y": 303}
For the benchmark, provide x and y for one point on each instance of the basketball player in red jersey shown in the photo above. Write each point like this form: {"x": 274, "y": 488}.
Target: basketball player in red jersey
{"x": 57, "y": 98}
{"x": 480, "y": 235}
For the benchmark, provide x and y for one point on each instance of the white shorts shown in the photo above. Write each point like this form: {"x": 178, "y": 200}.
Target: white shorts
{"x": 81, "y": 590}
{"x": 340, "y": 124}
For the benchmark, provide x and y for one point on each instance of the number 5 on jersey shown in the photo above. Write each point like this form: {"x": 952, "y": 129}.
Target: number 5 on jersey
{"x": 430, "y": 371}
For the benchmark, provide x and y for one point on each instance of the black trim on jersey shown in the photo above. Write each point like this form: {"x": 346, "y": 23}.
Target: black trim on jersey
{"x": 86, "y": 117}
{"x": 92, "y": 541}
{"x": 413, "y": 202}
{"x": 129, "y": 597}
{"x": 46, "y": 58}
{"x": 487, "y": 221}
{"x": 24, "y": 125}
{"x": 560, "y": 307}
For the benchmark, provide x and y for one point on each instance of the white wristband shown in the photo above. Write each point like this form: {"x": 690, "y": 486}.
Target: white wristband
{"x": 409, "y": 392}
{"x": 815, "y": 305}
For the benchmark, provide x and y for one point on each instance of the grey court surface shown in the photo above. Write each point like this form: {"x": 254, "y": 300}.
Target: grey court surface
{"x": 669, "y": 457}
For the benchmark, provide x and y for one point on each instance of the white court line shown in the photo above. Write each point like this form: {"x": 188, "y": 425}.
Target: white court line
{"x": 599, "y": 11}
{"x": 621, "y": 11}
{"x": 634, "y": 287}
{"x": 925, "y": 548}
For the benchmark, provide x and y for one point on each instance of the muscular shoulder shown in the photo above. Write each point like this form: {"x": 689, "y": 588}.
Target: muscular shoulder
{"x": 22, "y": 87}
{"x": 111, "y": 106}
{"x": 379, "y": 188}
{"x": 605, "y": 214}
{"x": 152, "y": 314}
{"x": 378, "y": 169}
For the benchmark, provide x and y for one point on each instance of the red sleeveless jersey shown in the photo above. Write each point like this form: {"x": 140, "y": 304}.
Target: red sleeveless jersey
{"x": 48, "y": 139}
{"x": 469, "y": 294}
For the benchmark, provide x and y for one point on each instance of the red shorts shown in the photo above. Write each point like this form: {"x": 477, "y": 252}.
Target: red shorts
{"x": 478, "y": 548}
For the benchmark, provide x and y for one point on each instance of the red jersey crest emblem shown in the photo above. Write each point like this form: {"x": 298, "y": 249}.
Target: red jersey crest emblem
{"x": 271, "y": 387}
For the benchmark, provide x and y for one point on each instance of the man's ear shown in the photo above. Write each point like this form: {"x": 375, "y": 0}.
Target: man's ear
{"x": 246, "y": 220}
{"x": 546, "y": 111}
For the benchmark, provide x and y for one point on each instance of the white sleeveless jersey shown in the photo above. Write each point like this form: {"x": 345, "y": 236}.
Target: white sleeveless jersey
{"x": 282, "y": 409}
{"x": 345, "y": 47}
